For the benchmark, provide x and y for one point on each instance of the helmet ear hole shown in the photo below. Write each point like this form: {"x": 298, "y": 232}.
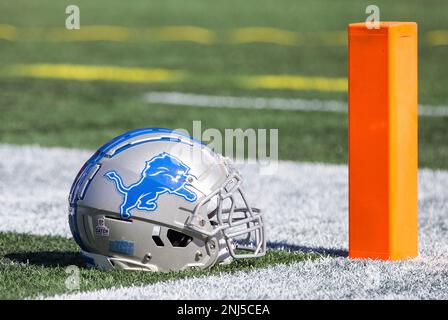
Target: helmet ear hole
{"x": 178, "y": 239}
{"x": 158, "y": 241}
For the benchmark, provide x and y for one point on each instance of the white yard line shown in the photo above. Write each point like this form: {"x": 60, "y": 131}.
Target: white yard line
{"x": 196, "y": 100}
{"x": 305, "y": 207}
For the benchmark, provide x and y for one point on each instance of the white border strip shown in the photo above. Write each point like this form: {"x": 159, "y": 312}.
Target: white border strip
{"x": 315, "y": 105}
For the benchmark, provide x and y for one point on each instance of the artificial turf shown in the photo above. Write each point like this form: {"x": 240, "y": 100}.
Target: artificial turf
{"x": 36, "y": 266}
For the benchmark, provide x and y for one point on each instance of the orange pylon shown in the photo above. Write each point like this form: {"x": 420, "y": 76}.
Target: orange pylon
{"x": 383, "y": 139}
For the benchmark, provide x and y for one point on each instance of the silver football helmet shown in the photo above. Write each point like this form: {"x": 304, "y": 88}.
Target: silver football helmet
{"x": 158, "y": 200}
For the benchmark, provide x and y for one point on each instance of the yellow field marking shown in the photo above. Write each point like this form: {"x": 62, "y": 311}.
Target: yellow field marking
{"x": 330, "y": 38}
{"x": 7, "y": 32}
{"x": 120, "y": 34}
{"x": 267, "y": 35}
{"x": 295, "y": 83}
{"x": 110, "y": 33}
{"x": 437, "y": 37}
{"x": 174, "y": 33}
{"x": 192, "y": 34}
{"x": 88, "y": 33}
{"x": 285, "y": 37}
{"x": 154, "y": 75}
{"x": 89, "y": 73}
{"x": 181, "y": 33}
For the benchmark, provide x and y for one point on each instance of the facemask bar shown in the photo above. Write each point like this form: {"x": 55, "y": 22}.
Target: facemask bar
{"x": 234, "y": 222}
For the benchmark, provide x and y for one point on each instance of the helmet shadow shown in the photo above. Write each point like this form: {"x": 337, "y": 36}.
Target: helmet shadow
{"x": 333, "y": 252}
{"x": 49, "y": 259}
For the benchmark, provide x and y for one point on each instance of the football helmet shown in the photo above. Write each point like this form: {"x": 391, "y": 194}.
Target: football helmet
{"x": 157, "y": 200}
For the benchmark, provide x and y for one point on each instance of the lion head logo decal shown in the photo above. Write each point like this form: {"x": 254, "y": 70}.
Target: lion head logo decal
{"x": 162, "y": 174}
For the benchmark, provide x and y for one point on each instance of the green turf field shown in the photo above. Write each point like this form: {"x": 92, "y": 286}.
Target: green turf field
{"x": 33, "y": 266}
{"x": 86, "y": 114}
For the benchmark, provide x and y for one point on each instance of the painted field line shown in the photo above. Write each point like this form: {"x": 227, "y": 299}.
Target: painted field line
{"x": 192, "y": 34}
{"x": 158, "y": 75}
{"x": 295, "y": 82}
{"x": 151, "y": 75}
{"x": 8, "y": 32}
{"x": 286, "y": 37}
{"x": 187, "y": 99}
{"x": 90, "y": 73}
{"x": 267, "y": 35}
{"x": 196, "y": 100}
{"x": 437, "y": 37}
{"x": 109, "y": 33}
{"x": 186, "y": 33}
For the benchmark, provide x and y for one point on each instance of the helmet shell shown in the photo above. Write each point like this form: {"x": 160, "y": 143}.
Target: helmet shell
{"x": 131, "y": 200}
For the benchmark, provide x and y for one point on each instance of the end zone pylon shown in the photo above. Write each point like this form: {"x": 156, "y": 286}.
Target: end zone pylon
{"x": 383, "y": 141}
